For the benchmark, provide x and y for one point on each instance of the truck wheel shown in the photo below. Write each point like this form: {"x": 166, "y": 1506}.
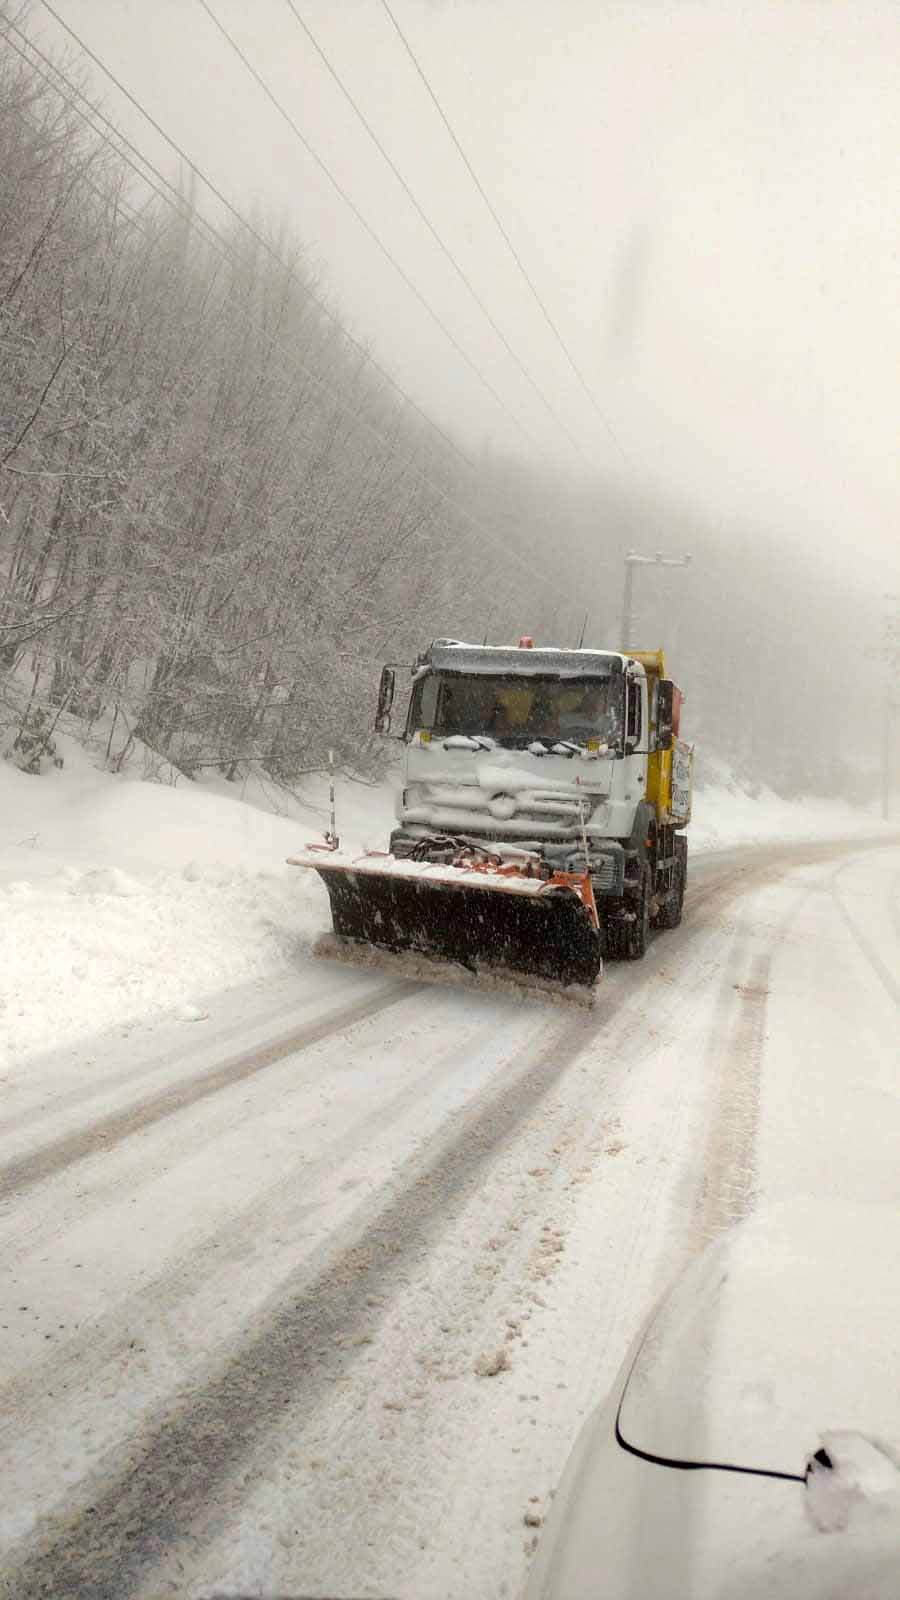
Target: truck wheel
{"x": 670, "y": 910}
{"x": 681, "y": 851}
{"x": 637, "y": 933}
{"x": 613, "y": 938}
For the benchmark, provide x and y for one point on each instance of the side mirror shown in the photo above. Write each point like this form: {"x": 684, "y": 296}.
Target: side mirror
{"x": 385, "y": 700}
{"x": 664, "y": 707}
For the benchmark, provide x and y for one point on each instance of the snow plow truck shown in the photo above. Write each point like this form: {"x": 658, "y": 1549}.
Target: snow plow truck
{"x": 540, "y": 822}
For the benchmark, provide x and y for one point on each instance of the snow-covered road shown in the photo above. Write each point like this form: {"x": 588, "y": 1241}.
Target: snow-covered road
{"x": 317, "y": 1305}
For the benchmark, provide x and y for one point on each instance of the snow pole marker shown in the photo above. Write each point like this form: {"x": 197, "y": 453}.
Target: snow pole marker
{"x": 331, "y": 837}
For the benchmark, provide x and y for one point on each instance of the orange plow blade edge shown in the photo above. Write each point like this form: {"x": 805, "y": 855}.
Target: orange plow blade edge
{"x": 489, "y": 920}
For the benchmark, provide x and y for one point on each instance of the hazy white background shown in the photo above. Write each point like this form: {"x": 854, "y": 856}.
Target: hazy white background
{"x": 704, "y": 194}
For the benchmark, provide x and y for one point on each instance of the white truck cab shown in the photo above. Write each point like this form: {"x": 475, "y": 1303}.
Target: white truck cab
{"x": 569, "y": 755}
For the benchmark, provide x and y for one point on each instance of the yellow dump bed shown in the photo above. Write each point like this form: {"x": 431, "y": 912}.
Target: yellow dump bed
{"x": 670, "y": 773}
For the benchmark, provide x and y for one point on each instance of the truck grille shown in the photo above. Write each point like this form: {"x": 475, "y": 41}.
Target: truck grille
{"x": 470, "y": 809}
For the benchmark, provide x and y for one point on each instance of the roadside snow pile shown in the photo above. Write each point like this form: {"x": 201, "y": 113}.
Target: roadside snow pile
{"x": 105, "y": 880}
{"x": 725, "y": 814}
{"x": 120, "y": 898}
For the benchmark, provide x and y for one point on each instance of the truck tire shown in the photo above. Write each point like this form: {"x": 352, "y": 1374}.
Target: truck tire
{"x": 681, "y": 850}
{"x": 613, "y": 937}
{"x": 637, "y": 933}
{"x": 671, "y": 909}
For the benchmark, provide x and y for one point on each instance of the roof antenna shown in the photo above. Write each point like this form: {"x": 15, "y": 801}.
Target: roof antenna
{"x": 583, "y": 630}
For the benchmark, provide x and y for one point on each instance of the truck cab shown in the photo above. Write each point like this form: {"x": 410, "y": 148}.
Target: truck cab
{"x": 571, "y": 756}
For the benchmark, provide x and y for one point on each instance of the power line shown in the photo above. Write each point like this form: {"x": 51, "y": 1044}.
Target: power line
{"x": 442, "y": 245}
{"x": 179, "y": 203}
{"x": 261, "y": 240}
{"x": 373, "y": 235}
{"x": 116, "y": 148}
{"x": 175, "y": 199}
{"x": 45, "y": 78}
{"x": 503, "y": 233}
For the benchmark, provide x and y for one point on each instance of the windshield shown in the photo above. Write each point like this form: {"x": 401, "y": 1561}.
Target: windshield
{"x": 517, "y": 711}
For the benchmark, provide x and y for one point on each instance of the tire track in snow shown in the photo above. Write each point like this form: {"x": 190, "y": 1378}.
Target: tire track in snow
{"x": 24, "y": 1173}
{"x": 894, "y": 903}
{"x": 727, "y": 1186}
{"x": 168, "y": 1476}
{"x": 104, "y": 1344}
{"x": 755, "y": 865}
{"x": 130, "y": 1526}
{"x": 727, "y": 1189}
{"x": 217, "y": 1039}
{"x": 493, "y": 1285}
{"x": 632, "y": 1277}
{"x": 165, "y": 1478}
{"x": 864, "y": 943}
{"x": 481, "y": 1293}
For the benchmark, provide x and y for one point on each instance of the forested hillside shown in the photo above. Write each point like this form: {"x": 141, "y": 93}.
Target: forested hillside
{"x": 216, "y": 515}
{"x": 219, "y": 515}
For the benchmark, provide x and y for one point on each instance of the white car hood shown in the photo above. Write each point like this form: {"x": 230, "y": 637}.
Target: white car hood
{"x": 778, "y": 1341}
{"x": 788, "y": 1326}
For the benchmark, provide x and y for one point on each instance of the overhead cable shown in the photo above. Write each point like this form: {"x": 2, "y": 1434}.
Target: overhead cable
{"x": 179, "y": 203}
{"x": 366, "y": 225}
{"x": 118, "y": 144}
{"x": 503, "y": 233}
{"x": 440, "y": 242}
{"x": 260, "y": 238}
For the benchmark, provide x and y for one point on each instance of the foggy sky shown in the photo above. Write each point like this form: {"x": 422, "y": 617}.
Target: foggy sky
{"x": 705, "y": 195}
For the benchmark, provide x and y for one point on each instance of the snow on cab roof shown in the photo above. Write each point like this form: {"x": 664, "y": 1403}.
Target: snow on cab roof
{"x": 450, "y": 655}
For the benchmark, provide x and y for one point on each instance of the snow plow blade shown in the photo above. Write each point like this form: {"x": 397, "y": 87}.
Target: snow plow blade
{"x": 499, "y": 926}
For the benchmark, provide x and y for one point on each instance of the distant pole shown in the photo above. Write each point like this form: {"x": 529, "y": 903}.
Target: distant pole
{"x": 632, "y": 560}
{"x": 627, "y": 601}
{"x": 886, "y": 758}
{"x": 892, "y": 657}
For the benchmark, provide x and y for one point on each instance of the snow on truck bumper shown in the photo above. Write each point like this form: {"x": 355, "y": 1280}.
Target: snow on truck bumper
{"x": 606, "y": 860}
{"x": 478, "y": 915}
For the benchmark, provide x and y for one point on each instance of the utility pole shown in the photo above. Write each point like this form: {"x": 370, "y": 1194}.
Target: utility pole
{"x": 633, "y": 560}
{"x": 892, "y": 658}
{"x": 887, "y": 754}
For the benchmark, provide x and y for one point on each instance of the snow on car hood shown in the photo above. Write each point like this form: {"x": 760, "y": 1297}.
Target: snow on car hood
{"x": 786, "y": 1328}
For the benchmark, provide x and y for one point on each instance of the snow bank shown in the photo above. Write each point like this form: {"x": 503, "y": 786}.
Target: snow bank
{"x": 725, "y": 814}
{"x": 121, "y": 898}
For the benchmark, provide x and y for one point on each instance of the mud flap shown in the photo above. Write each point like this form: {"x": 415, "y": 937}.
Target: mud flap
{"x": 543, "y": 932}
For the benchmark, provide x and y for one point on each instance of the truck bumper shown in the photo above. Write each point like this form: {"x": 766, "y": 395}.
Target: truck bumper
{"x": 606, "y": 856}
